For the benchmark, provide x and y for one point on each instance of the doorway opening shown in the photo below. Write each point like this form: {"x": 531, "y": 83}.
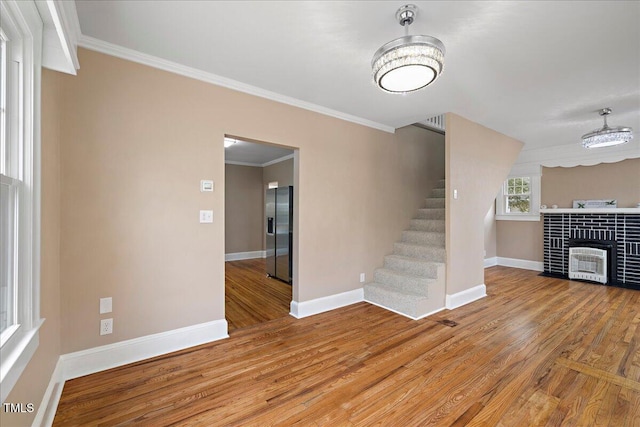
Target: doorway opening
{"x": 253, "y": 292}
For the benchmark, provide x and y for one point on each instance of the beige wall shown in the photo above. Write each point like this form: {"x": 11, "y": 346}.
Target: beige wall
{"x": 560, "y": 186}
{"x": 135, "y": 145}
{"x": 621, "y": 181}
{"x": 520, "y": 240}
{"x": 282, "y": 172}
{"x": 244, "y": 208}
{"x": 478, "y": 161}
{"x": 34, "y": 380}
{"x": 490, "y": 232}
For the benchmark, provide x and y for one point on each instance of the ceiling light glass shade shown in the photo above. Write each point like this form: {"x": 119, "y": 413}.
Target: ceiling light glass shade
{"x": 408, "y": 63}
{"x": 607, "y": 136}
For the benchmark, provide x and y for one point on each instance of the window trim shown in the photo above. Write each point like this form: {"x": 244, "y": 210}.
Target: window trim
{"x": 534, "y": 198}
{"x": 23, "y": 22}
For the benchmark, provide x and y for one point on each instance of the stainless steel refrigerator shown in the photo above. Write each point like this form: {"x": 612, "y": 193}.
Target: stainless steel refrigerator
{"x": 279, "y": 216}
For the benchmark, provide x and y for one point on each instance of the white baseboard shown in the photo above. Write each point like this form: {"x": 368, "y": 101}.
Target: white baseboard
{"x": 521, "y": 263}
{"x": 47, "y": 410}
{"x": 238, "y": 256}
{"x": 465, "y": 297}
{"x": 109, "y": 356}
{"x": 320, "y": 305}
{"x": 490, "y": 262}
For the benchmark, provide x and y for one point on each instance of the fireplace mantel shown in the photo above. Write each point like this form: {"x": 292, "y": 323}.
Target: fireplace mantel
{"x": 591, "y": 211}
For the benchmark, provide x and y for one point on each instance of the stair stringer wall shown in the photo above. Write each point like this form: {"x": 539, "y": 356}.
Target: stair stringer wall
{"x": 478, "y": 160}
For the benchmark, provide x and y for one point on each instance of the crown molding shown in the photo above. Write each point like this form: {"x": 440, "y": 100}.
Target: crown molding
{"x": 231, "y": 162}
{"x": 173, "y": 67}
{"x": 259, "y": 165}
{"x": 60, "y": 35}
{"x": 281, "y": 159}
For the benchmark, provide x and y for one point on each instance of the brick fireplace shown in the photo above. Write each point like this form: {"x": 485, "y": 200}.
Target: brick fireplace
{"x": 618, "y": 231}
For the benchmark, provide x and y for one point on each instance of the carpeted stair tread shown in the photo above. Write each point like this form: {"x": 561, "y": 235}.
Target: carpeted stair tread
{"x": 411, "y": 265}
{"x": 420, "y": 224}
{"x": 396, "y": 289}
{"x": 434, "y": 202}
{"x": 423, "y": 237}
{"x": 431, "y": 214}
{"x": 412, "y": 281}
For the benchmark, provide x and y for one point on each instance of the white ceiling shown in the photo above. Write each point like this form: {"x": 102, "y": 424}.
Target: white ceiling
{"x": 254, "y": 154}
{"x": 534, "y": 70}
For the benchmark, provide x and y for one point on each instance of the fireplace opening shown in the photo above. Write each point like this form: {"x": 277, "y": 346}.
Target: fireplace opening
{"x": 593, "y": 260}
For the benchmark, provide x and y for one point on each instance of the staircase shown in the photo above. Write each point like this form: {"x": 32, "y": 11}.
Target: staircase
{"x": 412, "y": 280}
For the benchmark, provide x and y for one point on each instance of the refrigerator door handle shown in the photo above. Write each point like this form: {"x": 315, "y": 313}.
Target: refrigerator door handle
{"x": 270, "y": 224}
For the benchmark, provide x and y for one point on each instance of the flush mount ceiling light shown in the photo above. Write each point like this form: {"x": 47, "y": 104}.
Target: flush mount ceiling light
{"x": 228, "y": 142}
{"x": 607, "y": 136}
{"x": 408, "y": 63}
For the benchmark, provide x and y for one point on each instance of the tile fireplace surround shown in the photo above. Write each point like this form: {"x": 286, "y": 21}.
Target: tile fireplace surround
{"x": 621, "y": 226}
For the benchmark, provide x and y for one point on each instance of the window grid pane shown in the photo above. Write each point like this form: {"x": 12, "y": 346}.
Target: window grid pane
{"x": 518, "y": 204}
{"x": 518, "y": 186}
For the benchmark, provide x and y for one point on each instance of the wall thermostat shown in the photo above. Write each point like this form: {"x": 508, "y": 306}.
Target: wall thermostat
{"x": 206, "y": 185}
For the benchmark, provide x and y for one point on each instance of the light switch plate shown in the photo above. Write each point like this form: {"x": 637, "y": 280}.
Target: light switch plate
{"x": 206, "y": 217}
{"x": 106, "y": 305}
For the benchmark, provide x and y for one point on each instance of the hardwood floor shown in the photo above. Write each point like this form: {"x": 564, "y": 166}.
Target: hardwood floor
{"x": 536, "y": 351}
{"x": 251, "y": 297}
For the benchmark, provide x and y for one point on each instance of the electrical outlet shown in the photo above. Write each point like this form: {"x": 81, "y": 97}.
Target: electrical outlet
{"x": 362, "y": 279}
{"x": 106, "y": 326}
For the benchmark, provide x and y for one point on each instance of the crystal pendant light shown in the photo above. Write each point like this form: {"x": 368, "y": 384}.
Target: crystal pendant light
{"x": 408, "y": 63}
{"x": 607, "y": 136}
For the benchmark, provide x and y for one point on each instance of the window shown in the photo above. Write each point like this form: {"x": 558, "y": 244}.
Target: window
{"x": 517, "y": 194}
{"x": 9, "y": 186}
{"x": 519, "y": 199}
{"x": 20, "y": 52}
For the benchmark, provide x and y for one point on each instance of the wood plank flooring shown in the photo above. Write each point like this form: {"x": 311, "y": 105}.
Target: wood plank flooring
{"x": 251, "y": 297}
{"x": 537, "y": 351}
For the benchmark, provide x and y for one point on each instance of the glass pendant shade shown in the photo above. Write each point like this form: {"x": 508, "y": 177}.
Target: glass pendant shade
{"x": 408, "y": 63}
{"x": 607, "y": 136}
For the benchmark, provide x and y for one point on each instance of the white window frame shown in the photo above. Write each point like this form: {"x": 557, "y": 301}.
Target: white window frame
{"x": 23, "y": 26}
{"x": 534, "y": 200}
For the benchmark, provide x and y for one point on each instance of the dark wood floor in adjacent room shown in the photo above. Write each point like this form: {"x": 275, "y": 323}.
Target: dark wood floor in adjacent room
{"x": 251, "y": 297}
{"x": 536, "y": 351}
